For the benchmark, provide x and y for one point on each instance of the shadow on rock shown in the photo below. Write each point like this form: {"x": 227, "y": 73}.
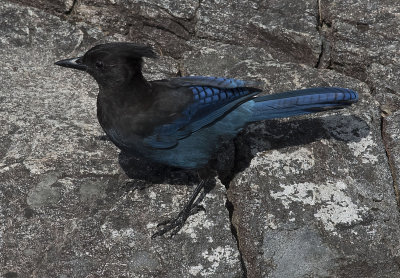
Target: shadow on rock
{"x": 138, "y": 168}
{"x": 277, "y": 134}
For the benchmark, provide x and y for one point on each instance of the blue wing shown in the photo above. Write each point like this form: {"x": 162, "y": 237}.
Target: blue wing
{"x": 213, "y": 98}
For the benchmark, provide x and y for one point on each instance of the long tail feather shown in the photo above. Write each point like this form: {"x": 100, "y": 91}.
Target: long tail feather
{"x": 301, "y": 102}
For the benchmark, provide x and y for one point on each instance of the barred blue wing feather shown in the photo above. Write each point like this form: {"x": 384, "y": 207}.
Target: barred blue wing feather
{"x": 213, "y": 103}
{"x": 213, "y": 98}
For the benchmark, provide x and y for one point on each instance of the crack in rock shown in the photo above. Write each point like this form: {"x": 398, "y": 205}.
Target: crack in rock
{"x": 390, "y": 160}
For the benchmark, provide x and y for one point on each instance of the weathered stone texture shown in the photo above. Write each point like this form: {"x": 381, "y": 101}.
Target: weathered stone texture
{"x": 312, "y": 196}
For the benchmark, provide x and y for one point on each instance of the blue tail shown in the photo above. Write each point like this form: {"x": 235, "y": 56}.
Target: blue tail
{"x": 301, "y": 102}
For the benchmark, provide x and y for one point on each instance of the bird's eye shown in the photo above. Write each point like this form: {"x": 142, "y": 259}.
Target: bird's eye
{"x": 99, "y": 64}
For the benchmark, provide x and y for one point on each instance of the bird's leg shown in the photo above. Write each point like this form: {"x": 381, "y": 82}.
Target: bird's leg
{"x": 192, "y": 207}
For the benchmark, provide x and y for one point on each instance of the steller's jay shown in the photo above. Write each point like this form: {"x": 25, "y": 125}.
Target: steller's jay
{"x": 180, "y": 121}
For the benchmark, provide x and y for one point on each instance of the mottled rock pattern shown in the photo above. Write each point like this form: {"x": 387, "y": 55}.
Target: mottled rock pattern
{"x": 362, "y": 40}
{"x": 311, "y": 196}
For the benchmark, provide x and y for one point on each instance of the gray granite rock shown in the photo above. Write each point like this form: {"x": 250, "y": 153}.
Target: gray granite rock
{"x": 312, "y": 196}
{"x": 286, "y": 28}
{"x": 326, "y": 177}
{"x": 362, "y": 40}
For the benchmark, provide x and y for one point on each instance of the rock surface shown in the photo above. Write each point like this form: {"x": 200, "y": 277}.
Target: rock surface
{"x": 310, "y": 196}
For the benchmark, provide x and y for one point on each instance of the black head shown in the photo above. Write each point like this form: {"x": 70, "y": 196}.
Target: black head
{"x": 111, "y": 64}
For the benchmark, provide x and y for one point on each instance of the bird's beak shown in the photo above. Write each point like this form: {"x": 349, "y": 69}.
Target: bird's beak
{"x": 75, "y": 63}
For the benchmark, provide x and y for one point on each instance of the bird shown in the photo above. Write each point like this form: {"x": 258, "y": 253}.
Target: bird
{"x": 180, "y": 121}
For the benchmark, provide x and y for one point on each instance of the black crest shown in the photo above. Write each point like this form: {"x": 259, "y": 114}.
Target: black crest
{"x": 124, "y": 49}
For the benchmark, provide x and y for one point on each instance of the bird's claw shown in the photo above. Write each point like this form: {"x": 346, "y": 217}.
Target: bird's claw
{"x": 175, "y": 224}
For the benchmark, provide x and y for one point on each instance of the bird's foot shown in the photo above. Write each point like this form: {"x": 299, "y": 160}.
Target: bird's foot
{"x": 193, "y": 206}
{"x": 135, "y": 185}
{"x": 175, "y": 224}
